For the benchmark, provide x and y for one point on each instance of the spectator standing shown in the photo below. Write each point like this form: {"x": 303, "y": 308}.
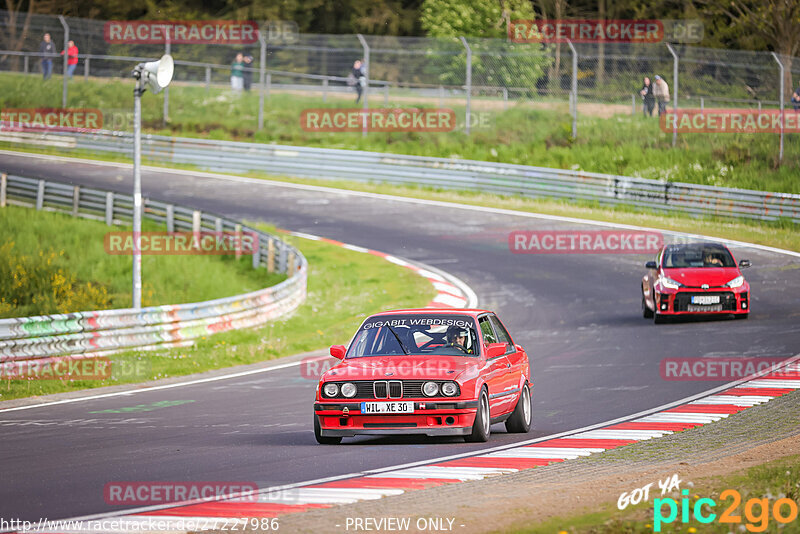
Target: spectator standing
{"x": 360, "y": 76}
{"x": 72, "y": 58}
{"x": 237, "y": 73}
{"x": 661, "y": 93}
{"x": 47, "y": 47}
{"x": 247, "y": 74}
{"x": 648, "y": 99}
{"x": 796, "y": 99}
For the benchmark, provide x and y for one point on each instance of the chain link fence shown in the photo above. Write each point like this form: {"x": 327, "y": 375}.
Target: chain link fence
{"x": 591, "y": 79}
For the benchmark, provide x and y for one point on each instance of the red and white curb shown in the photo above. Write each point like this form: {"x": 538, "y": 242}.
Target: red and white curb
{"x": 452, "y": 292}
{"x": 692, "y": 412}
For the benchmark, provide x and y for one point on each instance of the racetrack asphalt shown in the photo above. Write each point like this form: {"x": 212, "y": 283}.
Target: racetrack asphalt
{"x": 593, "y": 356}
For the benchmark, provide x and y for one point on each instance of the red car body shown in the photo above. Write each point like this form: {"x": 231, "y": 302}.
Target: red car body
{"x": 492, "y": 380}
{"x": 695, "y": 279}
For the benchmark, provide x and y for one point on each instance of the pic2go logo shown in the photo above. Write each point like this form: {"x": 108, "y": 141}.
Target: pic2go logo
{"x": 756, "y": 511}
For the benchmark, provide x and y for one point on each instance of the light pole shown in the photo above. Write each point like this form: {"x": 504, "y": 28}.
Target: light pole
{"x": 156, "y": 75}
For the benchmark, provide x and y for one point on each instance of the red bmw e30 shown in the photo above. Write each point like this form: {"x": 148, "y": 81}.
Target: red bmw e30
{"x": 451, "y": 372}
{"x": 695, "y": 279}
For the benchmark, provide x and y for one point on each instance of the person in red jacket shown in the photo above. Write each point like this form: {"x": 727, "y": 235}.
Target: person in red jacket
{"x": 72, "y": 58}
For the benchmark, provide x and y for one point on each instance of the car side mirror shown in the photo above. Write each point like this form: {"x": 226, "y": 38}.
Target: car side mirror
{"x": 338, "y": 351}
{"x": 744, "y": 263}
{"x": 493, "y": 350}
{"x": 651, "y": 265}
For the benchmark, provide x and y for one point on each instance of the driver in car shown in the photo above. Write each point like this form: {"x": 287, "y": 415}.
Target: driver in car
{"x": 712, "y": 260}
{"x": 457, "y": 337}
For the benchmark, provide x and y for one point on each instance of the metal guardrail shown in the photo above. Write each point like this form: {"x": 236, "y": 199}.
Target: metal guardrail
{"x": 90, "y": 334}
{"x": 487, "y": 177}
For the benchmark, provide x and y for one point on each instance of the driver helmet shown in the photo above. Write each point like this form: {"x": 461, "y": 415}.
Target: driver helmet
{"x": 455, "y": 332}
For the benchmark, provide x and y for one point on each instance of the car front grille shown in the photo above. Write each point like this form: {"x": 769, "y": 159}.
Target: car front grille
{"x": 389, "y": 389}
{"x": 726, "y": 298}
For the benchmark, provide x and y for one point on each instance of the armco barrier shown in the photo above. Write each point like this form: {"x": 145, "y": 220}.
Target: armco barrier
{"x": 98, "y": 332}
{"x": 499, "y": 178}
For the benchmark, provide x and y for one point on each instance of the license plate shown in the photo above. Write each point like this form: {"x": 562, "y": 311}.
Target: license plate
{"x": 712, "y": 308}
{"x": 387, "y": 407}
{"x": 705, "y": 299}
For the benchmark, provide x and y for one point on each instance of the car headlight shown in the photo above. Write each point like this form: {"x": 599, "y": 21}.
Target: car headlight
{"x": 349, "y": 389}
{"x": 449, "y": 389}
{"x": 669, "y": 283}
{"x": 330, "y": 389}
{"x": 736, "y": 282}
{"x": 430, "y": 389}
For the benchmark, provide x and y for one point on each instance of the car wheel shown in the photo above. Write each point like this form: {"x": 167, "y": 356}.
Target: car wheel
{"x": 324, "y": 440}
{"x": 647, "y": 313}
{"x": 481, "y": 427}
{"x": 658, "y": 318}
{"x": 520, "y": 420}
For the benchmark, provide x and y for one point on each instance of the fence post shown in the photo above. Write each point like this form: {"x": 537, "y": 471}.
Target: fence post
{"x": 271, "y": 256}
{"x": 3, "y": 187}
{"x": 262, "y": 67}
{"x": 40, "y": 195}
{"x": 505, "y": 98}
{"x": 86, "y": 68}
{"x": 76, "y": 200}
{"x": 325, "y": 90}
{"x": 218, "y": 225}
{"x": 365, "y": 46}
{"x": 208, "y": 78}
{"x": 167, "y": 49}
{"x": 170, "y": 218}
{"x": 469, "y": 83}
{"x": 633, "y": 104}
{"x": 64, "y": 24}
{"x": 574, "y": 89}
{"x": 702, "y": 103}
{"x": 674, "y": 94}
{"x": 25, "y": 63}
{"x": 782, "y": 97}
{"x": 255, "y": 250}
{"x": 237, "y": 236}
{"x": 109, "y": 208}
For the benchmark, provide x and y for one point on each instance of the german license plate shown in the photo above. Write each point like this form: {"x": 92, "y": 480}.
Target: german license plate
{"x": 705, "y": 299}
{"x": 711, "y": 308}
{"x": 387, "y": 407}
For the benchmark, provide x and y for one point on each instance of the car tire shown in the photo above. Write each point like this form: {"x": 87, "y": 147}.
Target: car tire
{"x": 520, "y": 420}
{"x": 324, "y": 440}
{"x": 647, "y": 313}
{"x": 742, "y": 316}
{"x": 481, "y": 428}
{"x": 659, "y": 318}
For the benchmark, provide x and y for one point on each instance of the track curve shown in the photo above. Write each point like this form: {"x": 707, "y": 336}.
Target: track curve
{"x": 593, "y": 357}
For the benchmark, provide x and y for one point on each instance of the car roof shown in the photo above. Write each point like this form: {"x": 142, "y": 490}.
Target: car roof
{"x": 695, "y": 245}
{"x": 446, "y": 311}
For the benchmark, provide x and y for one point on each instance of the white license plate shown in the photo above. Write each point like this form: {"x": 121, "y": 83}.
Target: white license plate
{"x": 705, "y": 299}
{"x": 387, "y": 407}
{"x": 711, "y": 308}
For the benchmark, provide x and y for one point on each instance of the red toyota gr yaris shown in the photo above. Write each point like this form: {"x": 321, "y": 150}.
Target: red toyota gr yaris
{"x": 695, "y": 279}
{"x": 434, "y": 372}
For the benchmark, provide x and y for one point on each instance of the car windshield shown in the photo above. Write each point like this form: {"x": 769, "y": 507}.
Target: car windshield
{"x": 388, "y": 335}
{"x": 697, "y": 256}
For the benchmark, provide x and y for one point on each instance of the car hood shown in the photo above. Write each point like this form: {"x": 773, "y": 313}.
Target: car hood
{"x": 696, "y": 277}
{"x": 401, "y": 368}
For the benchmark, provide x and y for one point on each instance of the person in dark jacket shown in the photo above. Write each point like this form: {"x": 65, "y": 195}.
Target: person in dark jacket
{"x": 648, "y": 98}
{"x": 246, "y": 73}
{"x": 47, "y": 47}
{"x": 361, "y": 78}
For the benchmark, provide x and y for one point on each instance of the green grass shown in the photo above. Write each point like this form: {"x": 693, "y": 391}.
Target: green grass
{"x": 772, "y": 481}
{"x": 55, "y": 263}
{"x": 538, "y": 134}
{"x": 343, "y": 288}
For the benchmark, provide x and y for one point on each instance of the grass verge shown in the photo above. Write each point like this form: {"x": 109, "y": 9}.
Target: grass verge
{"x": 343, "y": 287}
{"x": 56, "y": 263}
{"x": 531, "y": 133}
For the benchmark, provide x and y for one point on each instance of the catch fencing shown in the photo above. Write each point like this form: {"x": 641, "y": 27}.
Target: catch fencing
{"x": 479, "y": 176}
{"x": 581, "y": 79}
{"x": 95, "y": 333}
